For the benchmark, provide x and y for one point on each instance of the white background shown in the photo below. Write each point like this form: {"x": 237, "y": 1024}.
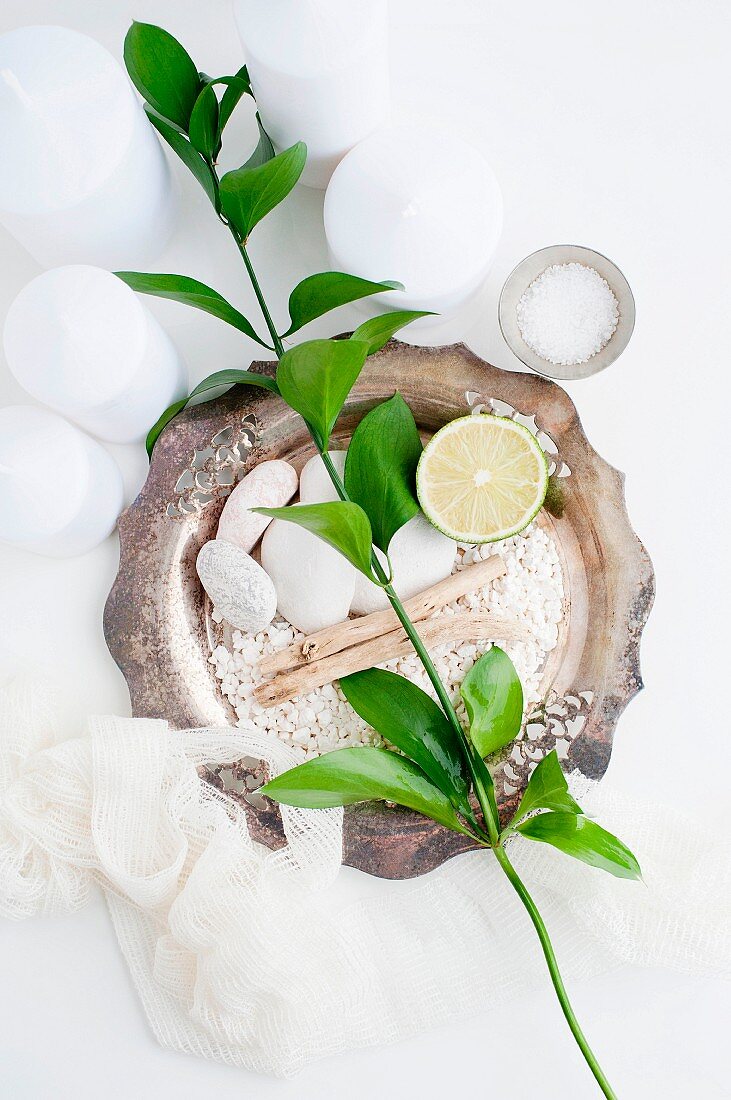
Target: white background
{"x": 607, "y": 125}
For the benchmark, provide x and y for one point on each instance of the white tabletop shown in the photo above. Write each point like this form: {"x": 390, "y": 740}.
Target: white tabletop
{"x": 606, "y": 126}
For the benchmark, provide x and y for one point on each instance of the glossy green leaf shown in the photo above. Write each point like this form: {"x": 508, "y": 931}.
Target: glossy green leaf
{"x": 219, "y": 380}
{"x": 547, "y": 789}
{"x": 162, "y": 71}
{"x": 484, "y": 779}
{"x": 380, "y": 469}
{"x": 584, "y": 840}
{"x": 162, "y": 422}
{"x": 377, "y": 331}
{"x": 181, "y": 288}
{"x": 203, "y": 128}
{"x": 341, "y": 524}
{"x": 318, "y": 294}
{"x": 346, "y": 776}
{"x": 190, "y": 157}
{"x": 411, "y": 720}
{"x": 493, "y": 698}
{"x": 264, "y": 150}
{"x": 237, "y": 87}
{"x": 249, "y": 194}
{"x": 316, "y": 377}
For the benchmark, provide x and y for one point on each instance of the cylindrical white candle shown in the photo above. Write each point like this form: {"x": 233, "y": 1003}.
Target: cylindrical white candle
{"x": 83, "y": 178}
{"x": 420, "y": 205}
{"x": 78, "y": 339}
{"x": 60, "y": 492}
{"x": 320, "y": 73}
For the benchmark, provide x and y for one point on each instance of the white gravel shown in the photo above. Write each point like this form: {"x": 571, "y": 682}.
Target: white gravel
{"x": 531, "y": 590}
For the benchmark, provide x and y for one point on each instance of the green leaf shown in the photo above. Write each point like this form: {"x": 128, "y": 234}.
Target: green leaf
{"x": 162, "y": 71}
{"x": 181, "y": 288}
{"x": 232, "y": 377}
{"x": 264, "y": 150}
{"x": 190, "y": 157}
{"x": 341, "y": 524}
{"x": 547, "y": 789}
{"x": 584, "y": 840}
{"x": 162, "y": 422}
{"x": 318, "y": 294}
{"x": 411, "y": 720}
{"x": 380, "y": 470}
{"x": 204, "y": 124}
{"x": 238, "y": 86}
{"x": 493, "y": 698}
{"x": 346, "y": 776}
{"x": 214, "y": 381}
{"x": 377, "y": 331}
{"x": 249, "y": 194}
{"x": 316, "y": 377}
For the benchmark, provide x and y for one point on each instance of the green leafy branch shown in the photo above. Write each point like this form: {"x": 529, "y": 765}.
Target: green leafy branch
{"x": 440, "y": 769}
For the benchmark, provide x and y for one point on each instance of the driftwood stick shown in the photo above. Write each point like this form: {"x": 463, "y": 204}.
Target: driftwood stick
{"x": 463, "y": 626}
{"x": 333, "y": 639}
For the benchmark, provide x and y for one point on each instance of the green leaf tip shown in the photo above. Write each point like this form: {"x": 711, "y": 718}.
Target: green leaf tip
{"x": 341, "y": 524}
{"x": 493, "y": 699}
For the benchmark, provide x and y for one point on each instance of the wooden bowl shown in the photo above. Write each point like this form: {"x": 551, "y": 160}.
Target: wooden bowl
{"x": 157, "y": 619}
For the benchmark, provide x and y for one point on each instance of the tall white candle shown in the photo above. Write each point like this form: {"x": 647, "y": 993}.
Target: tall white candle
{"x": 78, "y": 339}
{"x": 60, "y": 492}
{"x": 420, "y": 205}
{"x": 320, "y": 73}
{"x": 83, "y": 178}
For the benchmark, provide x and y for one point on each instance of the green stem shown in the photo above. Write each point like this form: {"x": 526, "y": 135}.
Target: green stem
{"x": 488, "y": 811}
{"x": 550, "y": 956}
{"x": 428, "y": 664}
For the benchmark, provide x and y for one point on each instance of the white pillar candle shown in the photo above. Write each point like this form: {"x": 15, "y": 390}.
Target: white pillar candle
{"x": 60, "y": 492}
{"x": 319, "y": 69}
{"x": 420, "y": 205}
{"x": 78, "y": 339}
{"x": 83, "y": 178}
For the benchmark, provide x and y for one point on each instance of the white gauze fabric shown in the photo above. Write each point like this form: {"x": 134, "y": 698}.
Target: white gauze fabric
{"x": 238, "y": 953}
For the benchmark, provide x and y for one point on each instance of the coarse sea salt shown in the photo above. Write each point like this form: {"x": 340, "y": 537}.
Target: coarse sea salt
{"x": 531, "y": 591}
{"x": 568, "y": 314}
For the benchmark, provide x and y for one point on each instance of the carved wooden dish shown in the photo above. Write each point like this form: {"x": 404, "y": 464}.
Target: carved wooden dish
{"x": 157, "y": 619}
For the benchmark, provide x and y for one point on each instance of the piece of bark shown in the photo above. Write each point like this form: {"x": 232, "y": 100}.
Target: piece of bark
{"x": 463, "y": 626}
{"x": 333, "y": 639}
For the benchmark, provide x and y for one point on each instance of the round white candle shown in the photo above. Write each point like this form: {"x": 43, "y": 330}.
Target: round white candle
{"x": 320, "y": 73}
{"x": 420, "y": 205}
{"x": 78, "y": 339}
{"x": 83, "y": 178}
{"x": 60, "y": 492}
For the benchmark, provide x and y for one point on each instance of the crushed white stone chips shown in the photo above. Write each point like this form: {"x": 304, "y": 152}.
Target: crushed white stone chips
{"x": 531, "y": 590}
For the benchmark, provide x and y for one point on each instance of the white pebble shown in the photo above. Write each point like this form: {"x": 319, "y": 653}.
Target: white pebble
{"x": 239, "y": 588}
{"x": 420, "y": 556}
{"x": 315, "y": 484}
{"x": 269, "y": 485}
{"x": 313, "y": 582}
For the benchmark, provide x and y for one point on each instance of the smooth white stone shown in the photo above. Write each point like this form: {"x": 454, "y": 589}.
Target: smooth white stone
{"x": 420, "y": 556}
{"x": 314, "y": 583}
{"x": 238, "y": 587}
{"x": 315, "y": 484}
{"x": 269, "y": 485}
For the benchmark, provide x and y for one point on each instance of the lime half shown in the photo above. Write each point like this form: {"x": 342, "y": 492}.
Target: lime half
{"x": 481, "y": 478}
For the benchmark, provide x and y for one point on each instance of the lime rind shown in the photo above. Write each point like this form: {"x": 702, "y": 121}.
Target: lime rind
{"x": 479, "y": 537}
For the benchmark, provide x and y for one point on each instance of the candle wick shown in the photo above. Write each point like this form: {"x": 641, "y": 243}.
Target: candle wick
{"x": 11, "y": 81}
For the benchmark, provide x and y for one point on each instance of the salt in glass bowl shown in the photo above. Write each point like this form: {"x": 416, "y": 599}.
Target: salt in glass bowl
{"x": 529, "y": 269}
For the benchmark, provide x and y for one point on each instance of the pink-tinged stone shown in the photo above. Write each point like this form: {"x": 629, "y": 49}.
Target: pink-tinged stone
{"x": 269, "y": 485}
